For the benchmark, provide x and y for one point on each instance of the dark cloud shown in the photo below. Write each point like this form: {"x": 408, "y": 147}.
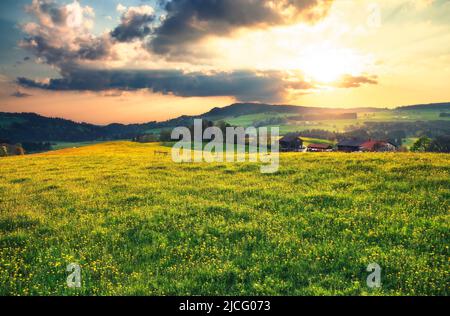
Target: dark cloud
{"x": 243, "y": 85}
{"x": 57, "y": 53}
{"x": 264, "y": 86}
{"x": 135, "y": 24}
{"x": 190, "y": 20}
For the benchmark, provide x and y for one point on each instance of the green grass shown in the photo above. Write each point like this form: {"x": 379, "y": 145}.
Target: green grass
{"x": 340, "y": 125}
{"x": 250, "y": 119}
{"x": 139, "y": 224}
{"x": 308, "y": 140}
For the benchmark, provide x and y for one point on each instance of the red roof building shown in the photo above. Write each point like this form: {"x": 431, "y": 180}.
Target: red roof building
{"x": 380, "y": 146}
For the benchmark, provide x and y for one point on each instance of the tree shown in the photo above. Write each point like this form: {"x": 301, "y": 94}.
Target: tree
{"x": 223, "y": 126}
{"x": 440, "y": 144}
{"x": 421, "y": 145}
{"x": 165, "y": 136}
{"x": 146, "y": 138}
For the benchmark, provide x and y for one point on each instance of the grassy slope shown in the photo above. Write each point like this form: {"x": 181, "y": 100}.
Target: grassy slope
{"x": 140, "y": 224}
{"x": 308, "y": 140}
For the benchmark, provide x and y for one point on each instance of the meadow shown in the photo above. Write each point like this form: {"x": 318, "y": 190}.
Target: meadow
{"x": 139, "y": 224}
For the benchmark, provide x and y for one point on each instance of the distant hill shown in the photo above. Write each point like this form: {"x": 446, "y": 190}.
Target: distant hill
{"x": 239, "y": 109}
{"x": 432, "y": 106}
{"x": 31, "y": 127}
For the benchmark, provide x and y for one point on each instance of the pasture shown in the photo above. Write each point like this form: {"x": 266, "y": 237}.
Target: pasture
{"x": 139, "y": 224}
{"x": 340, "y": 125}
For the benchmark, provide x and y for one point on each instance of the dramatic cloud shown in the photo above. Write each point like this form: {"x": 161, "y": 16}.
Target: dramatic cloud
{"x": 63, "y": 34}
{"x": 135, "y": 24}
{"x": 244, "y": 85}
{"x": 62, "y": 37}
{"x": 188, "y": 21}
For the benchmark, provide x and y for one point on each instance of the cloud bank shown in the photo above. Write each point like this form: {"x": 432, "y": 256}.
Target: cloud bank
{"x": 244, "y": 85}
{"x": 61, "y": 36}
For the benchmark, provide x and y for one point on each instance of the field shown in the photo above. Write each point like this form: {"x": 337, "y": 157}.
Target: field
{"x": 138, "y": 224}
{"x": 340, "y": 125}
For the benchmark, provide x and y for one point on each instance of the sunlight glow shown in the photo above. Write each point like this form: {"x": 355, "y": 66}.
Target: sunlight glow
{"x": 328, "y": 64}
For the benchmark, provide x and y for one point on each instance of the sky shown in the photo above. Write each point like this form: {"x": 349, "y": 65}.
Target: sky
{"x": 129, "y": 61}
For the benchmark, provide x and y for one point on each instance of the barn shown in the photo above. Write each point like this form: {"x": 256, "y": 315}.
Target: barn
{"x": 291, "y": 143}
{"x": 350, "y": 145}
{"x": 378, "y": 146}
{"x": 368, "y": 145}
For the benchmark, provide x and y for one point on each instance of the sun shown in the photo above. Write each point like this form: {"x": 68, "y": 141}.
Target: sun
{"x": 327, "y": 65}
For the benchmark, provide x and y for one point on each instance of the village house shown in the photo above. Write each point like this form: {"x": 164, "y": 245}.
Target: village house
{"x": 378, "y": 146}
{"x": 320, "y": 147}
{"x": 350, "y": 145}
{"x": 366, "y": 145}
{"x": 291, "y": 142}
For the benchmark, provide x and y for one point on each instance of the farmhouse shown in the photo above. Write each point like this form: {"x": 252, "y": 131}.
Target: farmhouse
{"x": 291, "y": 142}
{"x": 319, "y": 147}
{"x": 349, "y": 146}
{"x": 378, "y": 146}
{"x": 368, "y": 146}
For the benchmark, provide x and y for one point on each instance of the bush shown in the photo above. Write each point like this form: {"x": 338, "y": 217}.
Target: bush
{"x": 421, "y": 145}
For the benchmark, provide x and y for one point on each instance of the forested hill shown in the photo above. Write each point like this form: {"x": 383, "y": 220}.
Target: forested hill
{"x": 30, "y": 127}
{"x": 445, "y": 106}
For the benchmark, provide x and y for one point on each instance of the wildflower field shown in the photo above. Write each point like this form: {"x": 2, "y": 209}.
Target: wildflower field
{"x": 139, "y": 224}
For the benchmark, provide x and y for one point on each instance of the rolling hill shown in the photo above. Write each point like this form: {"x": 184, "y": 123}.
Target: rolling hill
{"x": 241, "y": 109}
{"x": 30, "y": 127}
{"x": 445, "y": 106}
